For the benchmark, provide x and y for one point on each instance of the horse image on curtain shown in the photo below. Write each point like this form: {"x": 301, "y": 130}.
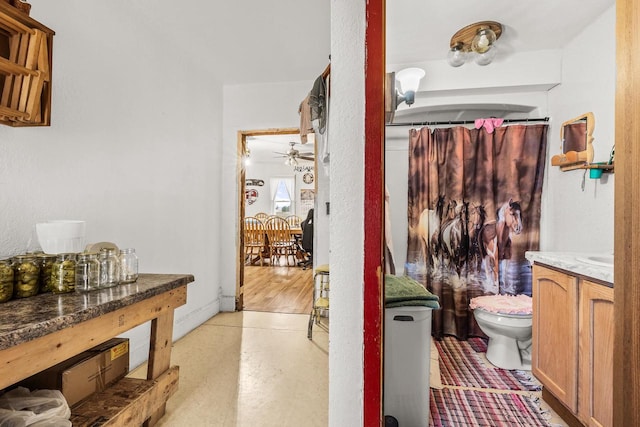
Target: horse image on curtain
{"x": 474, "y": 210}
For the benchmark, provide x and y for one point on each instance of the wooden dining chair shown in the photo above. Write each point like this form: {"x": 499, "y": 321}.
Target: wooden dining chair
{"x": 293, "y": 221}
{"x": 262, "y": 216}
{"x": 255, "y": 241}
{"x": 281, "y": 242}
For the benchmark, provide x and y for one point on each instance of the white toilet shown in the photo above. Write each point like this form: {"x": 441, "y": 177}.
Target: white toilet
{"x": 507, "y": 321}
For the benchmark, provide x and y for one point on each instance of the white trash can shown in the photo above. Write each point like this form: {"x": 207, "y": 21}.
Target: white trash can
{"x": 407, "y": 358}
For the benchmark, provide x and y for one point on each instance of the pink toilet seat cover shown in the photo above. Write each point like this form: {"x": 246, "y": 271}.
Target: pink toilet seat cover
{"x": 503, "y": 304}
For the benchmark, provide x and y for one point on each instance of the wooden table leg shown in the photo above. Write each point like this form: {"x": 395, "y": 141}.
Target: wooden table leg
{"x": 159, "y": 354}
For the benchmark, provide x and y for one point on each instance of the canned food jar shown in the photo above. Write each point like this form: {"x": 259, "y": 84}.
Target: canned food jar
{"x": 63, "y": 273}
{"x": 87, "y": 272}
{"x": 6, "y": 280}
{"x": 128, "y": 265}
{"x": 25, "y": 276}
{"x": 45, "y": 262}
{"x": 109, "y": 268}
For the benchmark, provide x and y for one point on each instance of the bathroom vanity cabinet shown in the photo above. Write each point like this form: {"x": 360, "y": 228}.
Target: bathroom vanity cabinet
{"x": 573, "y": 343}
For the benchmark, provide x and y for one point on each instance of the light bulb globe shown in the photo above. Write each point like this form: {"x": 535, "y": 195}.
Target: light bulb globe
{"x": 456, "y": 57}
{"x": 485, "y": 58}
{"x": 483, "y": 40}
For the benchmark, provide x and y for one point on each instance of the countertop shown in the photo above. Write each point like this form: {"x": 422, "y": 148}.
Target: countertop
{"x": 25, "y": 319}
{"x": 570, "y": 261}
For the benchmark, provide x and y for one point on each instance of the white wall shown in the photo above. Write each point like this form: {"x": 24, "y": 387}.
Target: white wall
{"x": 267, "y": 170}
{"x": 572, "y": 219}
{"x": 133, "y": 149}
{"x": 347, "y": 212}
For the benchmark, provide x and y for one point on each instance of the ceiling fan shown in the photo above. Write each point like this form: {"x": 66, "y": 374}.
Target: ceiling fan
{"x": 292, "y": 155}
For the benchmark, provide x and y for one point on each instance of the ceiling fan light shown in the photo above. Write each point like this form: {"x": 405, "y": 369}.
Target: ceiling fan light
{"x": 456, "y": 56}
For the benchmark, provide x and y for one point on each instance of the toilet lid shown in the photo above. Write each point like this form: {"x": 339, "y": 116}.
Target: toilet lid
{"x": 503, "y": 304}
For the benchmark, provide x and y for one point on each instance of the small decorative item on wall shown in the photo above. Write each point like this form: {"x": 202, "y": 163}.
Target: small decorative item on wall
{"x": 307, "y": 178}
{"x": 250, "y": 196}
{"x": 303, "y": 169}
{"x": 254, "y": 182}
{"x": 307, "y": 198}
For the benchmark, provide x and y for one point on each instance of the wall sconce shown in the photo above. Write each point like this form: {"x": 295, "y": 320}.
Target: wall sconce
{"x": 246, "y": 158}
{"x": 409, "y": 80}
{"x": 477, "y": 39}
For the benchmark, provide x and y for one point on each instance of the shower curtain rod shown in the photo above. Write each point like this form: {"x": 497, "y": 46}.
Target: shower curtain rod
{"x": 464, "y": 122}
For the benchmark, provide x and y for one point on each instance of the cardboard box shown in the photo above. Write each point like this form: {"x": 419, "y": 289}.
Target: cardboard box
{"x": 87, "y": 373}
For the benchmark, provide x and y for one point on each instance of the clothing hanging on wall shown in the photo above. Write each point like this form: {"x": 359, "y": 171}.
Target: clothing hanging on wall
{"x": 314, "y": 117}
{"x": 305, "y": 119}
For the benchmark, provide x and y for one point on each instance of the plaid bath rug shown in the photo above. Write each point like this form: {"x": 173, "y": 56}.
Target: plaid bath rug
{"x": 461, "y": 364}
{"x": 471, "y": 408}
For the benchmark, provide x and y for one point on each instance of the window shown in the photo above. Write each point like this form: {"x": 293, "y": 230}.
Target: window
{"x": 282, "y": 195}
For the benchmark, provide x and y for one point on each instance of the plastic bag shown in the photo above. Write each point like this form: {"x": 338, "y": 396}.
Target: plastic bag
{"x": 41, "y": 408}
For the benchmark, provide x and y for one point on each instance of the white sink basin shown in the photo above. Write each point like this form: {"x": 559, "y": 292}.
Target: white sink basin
{"x": 600, "y": 260}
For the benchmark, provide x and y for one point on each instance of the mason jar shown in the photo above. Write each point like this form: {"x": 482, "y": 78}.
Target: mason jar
{"x": 25, "y": 276}
{"x": 6, "y": 279}
{"x": 45, "y": 262}
{"x": 63, "y": 273}
{"x": 109, "y": 268}
{"x": 128, "y": 265}
{"x": 87, "y": 272}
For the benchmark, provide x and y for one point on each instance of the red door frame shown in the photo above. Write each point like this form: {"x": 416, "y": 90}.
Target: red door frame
{"x": 373, "y": 212}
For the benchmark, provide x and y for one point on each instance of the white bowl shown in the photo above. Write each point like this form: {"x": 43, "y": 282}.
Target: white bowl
{"x": 60, "y": 236}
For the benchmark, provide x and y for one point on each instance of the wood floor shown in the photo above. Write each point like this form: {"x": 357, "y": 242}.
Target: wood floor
{"x": 278, "y": 289}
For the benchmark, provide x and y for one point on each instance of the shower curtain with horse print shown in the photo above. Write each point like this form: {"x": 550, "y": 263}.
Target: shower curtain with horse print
{"x": 473, "y": 210}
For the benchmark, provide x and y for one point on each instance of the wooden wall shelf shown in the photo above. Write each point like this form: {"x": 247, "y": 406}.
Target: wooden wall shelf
{"x": 606, "y": 168}
{"x": 25, "y": 69}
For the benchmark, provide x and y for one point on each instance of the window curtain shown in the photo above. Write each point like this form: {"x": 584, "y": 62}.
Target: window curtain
{"x": 474, "y": 209}
{"x": 289, "y": 186}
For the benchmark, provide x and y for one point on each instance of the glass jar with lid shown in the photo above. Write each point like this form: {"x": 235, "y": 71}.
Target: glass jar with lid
{"x": 87, "y": 272}
{"x": 128, "y": 265}
{"x": 109, "y": 268}
{"x": 45, "y": 262}
{"x": 6, "y": 279}
{"x": 25, "y": 276}
{"x": 63, "y": 273}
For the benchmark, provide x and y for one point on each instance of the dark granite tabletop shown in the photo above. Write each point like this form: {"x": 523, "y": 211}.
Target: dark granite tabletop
{"x": 25, "y": 319}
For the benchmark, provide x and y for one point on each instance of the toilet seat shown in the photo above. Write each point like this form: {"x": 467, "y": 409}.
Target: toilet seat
{"x": 518, "y": 305}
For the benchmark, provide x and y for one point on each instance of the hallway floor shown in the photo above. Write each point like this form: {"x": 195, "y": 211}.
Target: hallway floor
{"x": 254, "y": 369}
{"x": 250, "y": 369}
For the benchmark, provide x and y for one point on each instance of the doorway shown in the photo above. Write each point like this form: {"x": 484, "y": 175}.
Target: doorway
{"x": 275, "y": 179}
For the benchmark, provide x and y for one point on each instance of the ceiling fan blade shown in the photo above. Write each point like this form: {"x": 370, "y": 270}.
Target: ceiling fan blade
{"x": 311, "y": 159}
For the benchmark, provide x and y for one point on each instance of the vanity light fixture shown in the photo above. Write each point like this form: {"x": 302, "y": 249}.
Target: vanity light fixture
{"x": 477, "y": 40}
{"x": 409, "y": 80}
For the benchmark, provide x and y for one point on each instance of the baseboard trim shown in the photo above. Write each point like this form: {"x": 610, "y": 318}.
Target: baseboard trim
{"x": 567, "y": 416}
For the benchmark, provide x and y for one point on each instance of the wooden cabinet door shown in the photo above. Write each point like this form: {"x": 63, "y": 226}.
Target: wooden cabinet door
{"x": 596, "y": 354}
{"x": 555, "y": 334}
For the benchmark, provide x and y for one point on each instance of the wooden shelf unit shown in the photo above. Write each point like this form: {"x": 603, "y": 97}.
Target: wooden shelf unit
{"x": 78, "y": 326}
{"x": 25, "y": 69}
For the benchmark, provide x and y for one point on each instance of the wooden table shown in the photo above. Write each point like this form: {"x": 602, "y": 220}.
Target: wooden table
{"x": 39, "y": 332}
